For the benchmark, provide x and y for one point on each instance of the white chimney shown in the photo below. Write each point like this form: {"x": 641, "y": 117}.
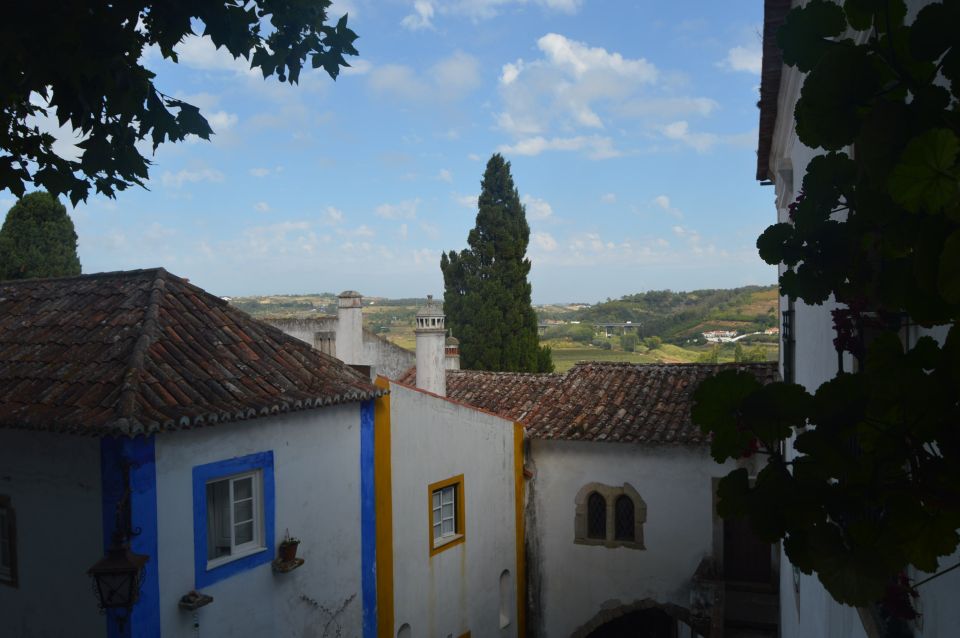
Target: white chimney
{"x": 350, "y": 327}
{"x": 452, "y": 354}
{"x": 430, "y": 331}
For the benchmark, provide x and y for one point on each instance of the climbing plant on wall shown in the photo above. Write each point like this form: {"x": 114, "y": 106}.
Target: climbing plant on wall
{"x": 874, "y": 485}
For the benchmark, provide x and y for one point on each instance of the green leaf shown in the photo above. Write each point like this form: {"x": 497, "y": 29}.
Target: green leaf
{"x": 926, "y": 176}
{"x": 771, "y": 244}
{"x": 833, "y": 97}
{"x": 802, "y": 36}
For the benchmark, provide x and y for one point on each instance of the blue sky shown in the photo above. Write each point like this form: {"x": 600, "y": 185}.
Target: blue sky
{"x": 631, "y": 128}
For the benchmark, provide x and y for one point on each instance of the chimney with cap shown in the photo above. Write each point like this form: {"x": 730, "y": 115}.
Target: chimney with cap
{"x": 452, "y": 355}
{"x": 430, "y": 331}
{"x": 349, "y": 340}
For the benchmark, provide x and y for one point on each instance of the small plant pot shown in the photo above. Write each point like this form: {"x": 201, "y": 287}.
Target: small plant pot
{"x": 288, "y": 551}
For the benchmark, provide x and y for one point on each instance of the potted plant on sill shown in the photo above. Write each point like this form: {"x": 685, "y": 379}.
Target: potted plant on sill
{"x": 288, "y": 547}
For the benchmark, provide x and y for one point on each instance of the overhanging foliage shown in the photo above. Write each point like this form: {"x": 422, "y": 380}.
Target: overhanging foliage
{"x": 874, "y": 486}
{"x": 81, "y": 64}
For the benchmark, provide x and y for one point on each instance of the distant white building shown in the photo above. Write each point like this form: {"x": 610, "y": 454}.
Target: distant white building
{"x": 620, "y": 525}
{"x": 345, "y": 338}
{"x": 720, "y": 336}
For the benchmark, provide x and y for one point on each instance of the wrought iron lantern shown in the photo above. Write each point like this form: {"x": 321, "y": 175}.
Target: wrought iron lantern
{"x": 117, "y": 577}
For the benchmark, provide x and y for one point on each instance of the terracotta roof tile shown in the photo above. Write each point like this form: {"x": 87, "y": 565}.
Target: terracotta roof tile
{"x": 142, "y": 351}
{"x": 615, "y": 402}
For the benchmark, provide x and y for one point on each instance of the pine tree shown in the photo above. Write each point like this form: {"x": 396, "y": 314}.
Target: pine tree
{"x": 38, "y": 239}
{"x": 487, "y": 296}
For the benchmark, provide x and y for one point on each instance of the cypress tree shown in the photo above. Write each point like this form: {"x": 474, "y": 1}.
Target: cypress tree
{"x": 486, "y": 293}
{"x": 38, "y": 239}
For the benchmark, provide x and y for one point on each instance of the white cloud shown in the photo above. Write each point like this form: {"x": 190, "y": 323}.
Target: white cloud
{"x": 597, "y": 147}
{"x": 332, "y": 216}
{"x": 580, "y": 59}
{"x": 663, "y": 202}
{"x": 537, "y": 208}
{"x": 467, "y": 201}
{"x": 262, "y": 207}
{"x": 445, "y": 176}
{"x": 421, "y": 18}
{"x": 262, "y": 171}
{"x": 358, "y": 66}
{"x": 404, "y": 232}
{"x": 575, "y": 90}
{"x": 510, "y": 72}
{"x": 667, "y": 107}
{"x": 222, "y": 121}
{"x": 449, "y": 80}
{"x": 473, "y": 157}
{"x": 569, "y": 83}
{"x": 680, "y": 131}
{"x": 406, "y": 209}
{"x": 544, "y": 241}
{"x": 178, "y": 179}
{"x": 199, "y": 52}
{"x": 609, "y": 198}
{"x": 748, "y": 59}
{"x": 430, "y": 231}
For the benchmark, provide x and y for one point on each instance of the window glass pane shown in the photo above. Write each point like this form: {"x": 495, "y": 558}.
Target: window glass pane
{"x": 244, "y": 533}
{"x": 218, "y": 519}
{"x": 436, "y": 517}
{"x": 596, "y": 516}
{"x": 623, "y": 512}
{"x": 436, "y": 530}
{"x": 243, "y": 511}
{"x": 243, "y": 488}
{"x": 436, "y": 500}
{"x": 447, "y": 526}
{"x": 448, "y": 495}
{"x": 448, "y": 510}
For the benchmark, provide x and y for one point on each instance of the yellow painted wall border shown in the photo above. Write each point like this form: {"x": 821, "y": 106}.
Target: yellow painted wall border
{"x": 461, "y": 507}
{"x": 383, "y": 491}
{"x": 518, "y": 495}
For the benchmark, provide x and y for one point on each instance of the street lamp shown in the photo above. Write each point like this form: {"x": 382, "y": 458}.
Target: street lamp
{"x": 118, "y": 575}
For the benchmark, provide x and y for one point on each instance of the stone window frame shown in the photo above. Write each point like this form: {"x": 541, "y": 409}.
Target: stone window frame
{"x": 610, "y": 494}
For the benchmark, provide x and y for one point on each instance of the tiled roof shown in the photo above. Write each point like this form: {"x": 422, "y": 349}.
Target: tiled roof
{"x": 617, "y": 402}
{"x": 774, "y": 15}
{"x": 142, "y": 351}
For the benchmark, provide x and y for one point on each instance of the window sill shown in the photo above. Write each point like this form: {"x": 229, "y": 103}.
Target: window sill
{"x": 446, "y": 542}
{"x": 225, "y": 560}
{"x": 608, "y": 543}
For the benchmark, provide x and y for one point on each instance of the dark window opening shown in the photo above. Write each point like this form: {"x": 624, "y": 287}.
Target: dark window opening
{"x": 624, "y": 529}
{"x": 596, "y": 516}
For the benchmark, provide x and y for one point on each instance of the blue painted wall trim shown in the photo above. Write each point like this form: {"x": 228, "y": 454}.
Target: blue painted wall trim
{"x": 368, "y": 523}
{"x": 201, "y": 474}
{"x": 138, "y": 455}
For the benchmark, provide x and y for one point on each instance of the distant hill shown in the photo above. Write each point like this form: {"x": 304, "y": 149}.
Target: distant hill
{"x": 675, "y": 317}
{"x": 679, "y": 316}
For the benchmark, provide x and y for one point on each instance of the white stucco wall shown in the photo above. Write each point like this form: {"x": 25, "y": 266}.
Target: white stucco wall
{"x": 317, "y": 475}
{"x": 386, "y": 357}
{"x": 578, "y": 581}
{"x": 457, "y": 589}
{"x": 53, "y": 481}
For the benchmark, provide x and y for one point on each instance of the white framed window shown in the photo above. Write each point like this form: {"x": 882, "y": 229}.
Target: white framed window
{"x": 446, "y": 513}
{"x": 234, "y": 517}
{"x": 8, "y": 544}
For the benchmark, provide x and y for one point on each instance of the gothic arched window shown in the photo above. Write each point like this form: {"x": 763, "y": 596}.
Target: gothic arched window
{"x": 624, "y": 527}
{"x": 596, "y": 516}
